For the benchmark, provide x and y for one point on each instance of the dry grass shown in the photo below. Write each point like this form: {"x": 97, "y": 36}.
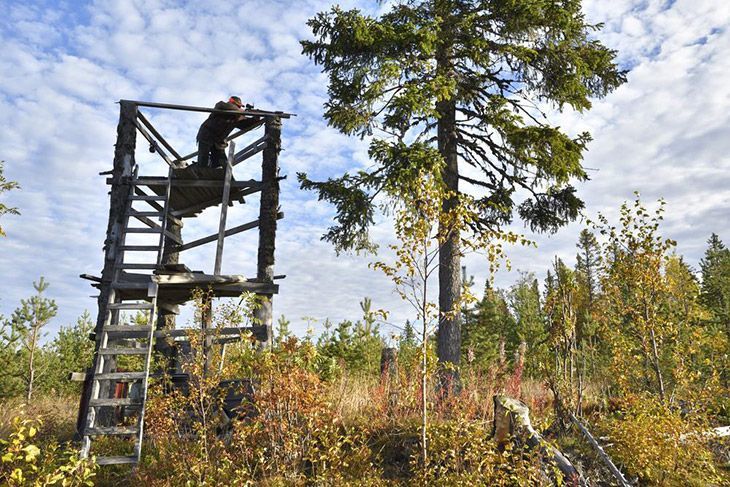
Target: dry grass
{"x": 58, "y": 414}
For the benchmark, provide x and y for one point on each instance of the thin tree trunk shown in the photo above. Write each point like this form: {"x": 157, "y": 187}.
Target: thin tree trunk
{"x": 655, "y": 363}
{"x": 31, "y": 368}
{"x": 424, "y": 358}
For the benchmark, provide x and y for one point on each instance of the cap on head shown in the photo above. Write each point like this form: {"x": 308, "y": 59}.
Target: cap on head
{"x": 236, "y": 101}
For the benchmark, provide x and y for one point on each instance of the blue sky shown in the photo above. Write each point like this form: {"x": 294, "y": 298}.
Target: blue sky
{"x": 63, "y": 65}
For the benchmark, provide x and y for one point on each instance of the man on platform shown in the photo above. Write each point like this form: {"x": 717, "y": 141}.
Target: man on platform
{"x": 213, "y": 132}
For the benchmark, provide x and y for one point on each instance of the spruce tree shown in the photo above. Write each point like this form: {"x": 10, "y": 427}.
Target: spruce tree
{"x": 715, "y": 290}
{"x": 440, "y": 83}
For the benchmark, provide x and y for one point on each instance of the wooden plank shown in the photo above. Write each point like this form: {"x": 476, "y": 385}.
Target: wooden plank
{"x": 119, "y": 460}
{"x": 115, "y": 401}
{"x": 143, "y": 230}
{"x": 227, "y": 233}
{"x": 130, "y": 306}
{"x": 224, "y": 210}
{"x": 138, "y": 197}
{"x": 182, "y": 332}
{"x": 134, "y": 212}
{"x": 126, "y": 328}
{"x": 152, "y": 203}
{"x": 153, "y": 182}
{"x": 188, "y": 108}
{"x": 120, "y": 376}
{"x": 89, "y": 277}
{"x": 140, "y": 248}
{"x": 77, "y": 376}
{"x": 253, "y": 148}
{"x": 154, "y": 131}
{"x": 123, "y": 351}
{"x": 112, "y": 430}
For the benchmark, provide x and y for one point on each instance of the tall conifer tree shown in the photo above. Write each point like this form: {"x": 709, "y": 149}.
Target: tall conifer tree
{"x": 440, "y": 83}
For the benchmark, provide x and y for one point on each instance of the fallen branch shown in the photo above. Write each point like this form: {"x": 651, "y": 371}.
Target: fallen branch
{"x": 601, "y": 453}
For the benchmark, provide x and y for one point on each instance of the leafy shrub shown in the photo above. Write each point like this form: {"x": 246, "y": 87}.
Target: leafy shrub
{"x": 656, "y": 444}
{"x": 23, "y": 462}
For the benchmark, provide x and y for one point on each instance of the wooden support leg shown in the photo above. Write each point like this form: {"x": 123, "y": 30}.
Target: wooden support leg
{"x": 267, "y": 221}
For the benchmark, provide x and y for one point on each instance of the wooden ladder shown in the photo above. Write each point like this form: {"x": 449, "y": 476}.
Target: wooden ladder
{"x": 113, "y": 331}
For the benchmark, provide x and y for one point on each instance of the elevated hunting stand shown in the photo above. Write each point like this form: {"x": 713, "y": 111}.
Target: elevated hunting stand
{"x": 153, "y": 208}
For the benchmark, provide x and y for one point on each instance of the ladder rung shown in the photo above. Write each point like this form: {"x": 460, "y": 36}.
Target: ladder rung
{"x": 140, "y": 248}
{"x": 127, "y": 328}
{"x": 130, "y": 306}
{"x": 120, "y": 376}
{"x": 144, "y": 230}
{"x": 123, "y": 351}
{"x": 115, "y": 401}
{"x": 144, "y": 213}
{"x": 137, "y": 266}
{"x": 148, "y": 182}
{"x": 115, "y": 460}
{"x": 144, "y": 197}
{"x": 112, "y": 430}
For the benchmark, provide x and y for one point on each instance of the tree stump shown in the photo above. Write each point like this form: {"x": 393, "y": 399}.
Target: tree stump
{"x": 512, "y": 419}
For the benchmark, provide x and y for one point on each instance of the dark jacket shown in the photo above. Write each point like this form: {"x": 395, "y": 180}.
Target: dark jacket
{"x": 217, "y": 126}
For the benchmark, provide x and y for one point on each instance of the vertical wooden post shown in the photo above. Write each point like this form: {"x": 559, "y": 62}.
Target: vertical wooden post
{"x": 119, "y": 195}
{"x": 267, "y": 221}
{"x": 224, "y": 209}
{"x": 165, "y": 320}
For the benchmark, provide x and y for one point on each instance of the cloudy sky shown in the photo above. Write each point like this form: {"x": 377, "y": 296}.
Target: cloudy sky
{"x": 64, "y": 64}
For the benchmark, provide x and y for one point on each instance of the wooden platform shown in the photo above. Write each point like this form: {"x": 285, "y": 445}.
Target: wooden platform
{"x": 178, "y": 288}
{"x": 196, "y": 188}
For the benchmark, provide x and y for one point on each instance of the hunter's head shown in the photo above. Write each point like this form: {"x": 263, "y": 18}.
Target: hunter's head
{"x": 236, "y": 101}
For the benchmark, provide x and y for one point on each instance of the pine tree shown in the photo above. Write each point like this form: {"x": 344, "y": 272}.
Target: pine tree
{"x": 444, "y": 82}
{"x": 715, "y": 290}
{"x": 525, "y": 303}
{"x": 33, "y": 314}
{"x": 492, "y": 334}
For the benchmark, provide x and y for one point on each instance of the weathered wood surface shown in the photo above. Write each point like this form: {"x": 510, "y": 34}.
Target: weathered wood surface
{"x": 188, "y": 198}
{"x": 231, "y": 231}
{"x": 601, "y": 453}
{"x": 512, "y": 418}
{"x": 189, "y": 108}
{"x": 123, "y": 168}
{"x": 224, "y": 210}
{"x": 250, "y": 150}
{"x": 268, "y": 216}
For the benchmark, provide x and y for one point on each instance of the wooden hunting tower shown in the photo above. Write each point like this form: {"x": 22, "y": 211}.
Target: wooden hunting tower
{"x": 154, "y": 208}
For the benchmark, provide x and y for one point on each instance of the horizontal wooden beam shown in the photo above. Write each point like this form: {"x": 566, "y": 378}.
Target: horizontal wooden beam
{"x": 250, "y": 150}
{"x": 188, "y": 183}
{"x": 89, "y": 277}
{"x": 228, "y": 233}
{"x": 188, "y": 108}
